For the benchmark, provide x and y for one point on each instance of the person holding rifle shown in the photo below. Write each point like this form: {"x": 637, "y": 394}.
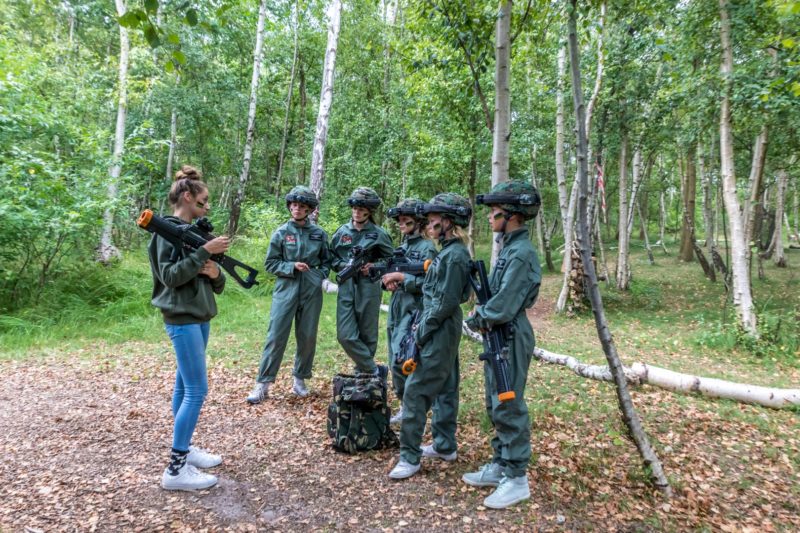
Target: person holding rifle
{"x": 406, "y": 288}
{"x": 298, "y": 255}
{"x": 514, "y": 285}
{"x": 359, "y": 299}
{"x": 434, "y": 382}
{"x": 184, "y": 284}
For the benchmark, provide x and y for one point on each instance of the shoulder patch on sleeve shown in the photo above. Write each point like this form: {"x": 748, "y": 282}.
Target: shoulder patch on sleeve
{"x": 500, "y": 264}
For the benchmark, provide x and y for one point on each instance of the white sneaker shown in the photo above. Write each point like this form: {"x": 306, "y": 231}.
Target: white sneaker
{"x": 489, "y": 475}
{"x": 403, "y": 470}
{"x": 200, "y": 458}
{"x": 259, "y": 393}
{"x": 188, "y": 478}
{"x": 299, "y": 388}
{"x": 430, "y": 451}
{"x": 397, "y": 417}
{"x": 511, "y": 490}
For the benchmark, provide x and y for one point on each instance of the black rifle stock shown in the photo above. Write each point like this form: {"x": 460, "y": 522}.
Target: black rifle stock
{"x": 192, "y": 237}
{"x": 408, "y": 355}
{"x": 398, "y": 263}
{"x": 496, "y": 339}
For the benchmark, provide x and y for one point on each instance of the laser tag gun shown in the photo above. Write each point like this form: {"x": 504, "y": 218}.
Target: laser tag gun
{"x": 398, "y": 263}
{"x": 496, "y": 339}
{"x": 408, "y": 355}
{"x": 359, "y": 256}
{"x": 192, "y": 237}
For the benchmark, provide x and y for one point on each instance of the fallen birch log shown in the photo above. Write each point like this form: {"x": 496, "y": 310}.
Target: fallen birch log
{"x": 641, "y": 373}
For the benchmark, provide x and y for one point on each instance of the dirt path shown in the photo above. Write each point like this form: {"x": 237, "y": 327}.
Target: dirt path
{"x": 84, "y": 443}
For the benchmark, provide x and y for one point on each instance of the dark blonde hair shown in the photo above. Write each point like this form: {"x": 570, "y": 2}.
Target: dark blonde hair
{"x": 186, "y": 179}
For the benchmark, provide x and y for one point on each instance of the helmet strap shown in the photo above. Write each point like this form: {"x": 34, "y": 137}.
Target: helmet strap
{"x": 502, "y": 232}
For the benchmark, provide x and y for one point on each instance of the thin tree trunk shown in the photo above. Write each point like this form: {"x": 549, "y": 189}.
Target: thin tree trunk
{"x": 688, "y": 196}
{"x": 301, "y": 139}
{"x": 561, "y": 179}
{"x": 777, "y": 237}
{"x": 647, "y": 247}
{"x": 662, "y": 221}
{"x": 796, "y": 212}
{"x": 756, "y": 182}
{"x": 502, "y": 102}
{"x": 742, "y": 296}
{"x": 173, "y": 135}
{"x": 652, "y": 464}
{"x": 543, "y": 234}
{"x": 473, "y": 177}
{"x": 708, "y": 210}
{"x": 622, "y": 253}
{"x": 107, "y": 251}
{"x": 334, "y": 13}
{"x": 233, "y": 223}
{"x": 289, "y": 92}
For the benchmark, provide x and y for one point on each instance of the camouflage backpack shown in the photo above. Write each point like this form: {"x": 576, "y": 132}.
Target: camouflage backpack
{"x": 358, "y": 416}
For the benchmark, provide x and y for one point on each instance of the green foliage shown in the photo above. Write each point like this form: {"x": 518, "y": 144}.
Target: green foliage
{"x": 777, "y": 340}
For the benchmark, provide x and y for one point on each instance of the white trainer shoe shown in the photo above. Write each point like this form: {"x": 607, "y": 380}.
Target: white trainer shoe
{"x": 489, "y": 475}
{"x": 188, "y": 478}
{"x": 259, "y": 393}
{"x": 397, "y": 417}
{"x": 511, "y": 490}
{"x": 430, "y": 451}
{"x": 403, "y": 469}
{"x": 299, "y": 388}
{"x": 200, "y": 458}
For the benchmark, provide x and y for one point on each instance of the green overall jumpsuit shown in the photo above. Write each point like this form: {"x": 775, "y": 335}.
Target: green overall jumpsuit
{"x": 359, "y": 299}
{"x": 435, "y": 381}
{"x": 514, "y": 283}
{"x": 297, "y": 296}
{"x": 405, "y": 300}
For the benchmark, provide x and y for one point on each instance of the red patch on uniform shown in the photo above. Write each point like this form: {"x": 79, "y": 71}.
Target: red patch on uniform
{"x": 347, "y": 239}
{"x": 291, "y": 239}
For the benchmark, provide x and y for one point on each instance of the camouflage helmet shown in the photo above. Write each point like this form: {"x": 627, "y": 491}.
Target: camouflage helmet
{"x": 303, "y": 195}
{"x": 449, "y": 204}
{"x": 513, "y": 196}
{"x": 407, "y": 207}
{"x": 364, "y": 197}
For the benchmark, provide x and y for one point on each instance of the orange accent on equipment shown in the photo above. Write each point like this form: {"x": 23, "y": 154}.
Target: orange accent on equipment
{"x": 506, "y": 396}
{"x": 409, "y": 367}
{"x": 145, "y": 218}
{"x": 426, "y": 264}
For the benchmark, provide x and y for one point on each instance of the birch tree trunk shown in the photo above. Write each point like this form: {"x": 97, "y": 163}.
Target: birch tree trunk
{"x": 233, "y": 223}
{"x": 662, "y": 221}
{"x": 688, "y": 196}
{"x": 289, "y": 92}
{"x": 708, "y": 207}
{"x": 795, "y": 213}
{"x": 561, "y": 179}
{"x": 107, "y": 251}
{"x": 777, "y": 237}
{"x": 756, "y": 182}
{"x": 334, "y": 13}
{"x": 173, "y": 136}
{"x": 622, "y": 253}
{"x": 742, "y": 296}
{"x": 502, "y": 102}
{"x": 301, "y": 138}
{"x": 652, "y": 464}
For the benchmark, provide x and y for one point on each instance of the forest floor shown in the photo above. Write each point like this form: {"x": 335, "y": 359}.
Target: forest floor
{"x": 85, "y": 429}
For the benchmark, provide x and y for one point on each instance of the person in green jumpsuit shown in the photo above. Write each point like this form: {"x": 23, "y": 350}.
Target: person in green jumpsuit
{"x": 406, "y": 288}
{"x": 298, "y": 255}
{"x": 434, "y": 383}
{"x": 514, "y": 283}
{"x": 359, "y": 299}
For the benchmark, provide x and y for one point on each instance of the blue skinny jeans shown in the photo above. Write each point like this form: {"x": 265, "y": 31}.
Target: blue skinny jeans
{"x": 191, "y": 380}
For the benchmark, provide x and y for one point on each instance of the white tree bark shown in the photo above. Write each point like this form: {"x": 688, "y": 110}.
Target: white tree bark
{"x": 756, "y": 177}
{"x": 107, "y": 251}
{"x": 662, "y": 221}
{"x": 777, "y": 237}
{"x": 244, "y": 177}
{"x": 561, "y": 178}
{"x": 502, "y": 102}
{"x": 622, "y": 254}
{"x": 742, "y": 296}
{"x": 173, "y": 135}
{"x": 334, "y": 13}
{"x": 708, "y": 207}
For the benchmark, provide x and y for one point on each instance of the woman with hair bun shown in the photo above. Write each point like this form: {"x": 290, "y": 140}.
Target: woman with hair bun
{"x": 184, "y": 284}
